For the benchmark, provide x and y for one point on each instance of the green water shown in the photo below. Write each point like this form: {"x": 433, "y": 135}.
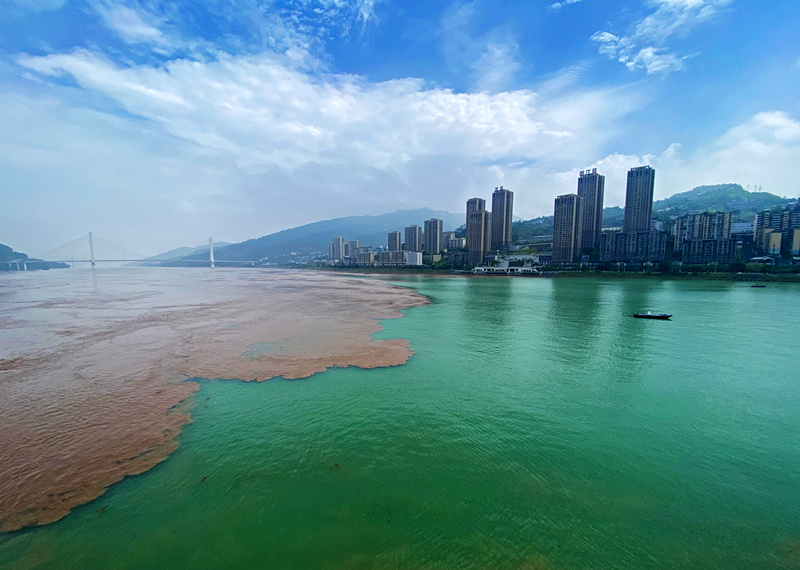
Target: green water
{"x": 538, "y": 425}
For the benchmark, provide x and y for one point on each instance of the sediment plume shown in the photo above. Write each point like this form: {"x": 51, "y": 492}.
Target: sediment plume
{"x": 94, "y": 380}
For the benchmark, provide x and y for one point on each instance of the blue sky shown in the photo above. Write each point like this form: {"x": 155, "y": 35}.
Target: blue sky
{"x": 159, "y": 123}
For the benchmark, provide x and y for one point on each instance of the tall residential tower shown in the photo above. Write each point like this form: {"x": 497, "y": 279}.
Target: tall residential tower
{"x": 591, "y": 186}
{"x": 639, "y": 199}
{"x": 414, "y": 238}
{"x": 502, "y": 216}
{"x": 567, "y": 228}
{"x": 479, "y": 230}
{"x": 433, "y": 236}
{"x": 395, "y": 241}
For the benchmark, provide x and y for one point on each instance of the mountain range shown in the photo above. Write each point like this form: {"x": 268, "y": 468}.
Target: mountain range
{"x": 314, "y": 237}
{"x": 8, "y": 254}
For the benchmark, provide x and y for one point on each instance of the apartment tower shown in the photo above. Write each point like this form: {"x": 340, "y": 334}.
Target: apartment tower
{"x": 591, "y": 186}
{"x": 639, "y": 199}
{"x": 395, "y": 241}
{"x": 336, "y": 249}
{"x": 502, "y": 216}
{"x": 567, "y": 228}
{"x": 479, "y": 236}
{"x": 414, "y": 238}
{"x": 433, "y": 236}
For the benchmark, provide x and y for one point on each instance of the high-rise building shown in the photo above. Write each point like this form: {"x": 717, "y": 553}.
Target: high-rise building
{"x": 770, "y": 223}
{"x": 639, "y": 199}
{"x": 591, "y": 186}
{"x": 395, "y": 241}
{"x": 433, "y": 236}
{"x": 474, "y": 205}
{"x": 479, "y": 235}
{"x": 567, "y": 228}
{"x": 414, "y": 238}
{"x": 336, "y": 249}
{"x": 352, "y": 248}
{"x": 502, "y": 216}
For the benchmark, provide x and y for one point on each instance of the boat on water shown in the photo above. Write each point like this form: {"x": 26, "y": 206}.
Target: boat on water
{"x": 758, "y": 285}
{"x": 649, "y": 315}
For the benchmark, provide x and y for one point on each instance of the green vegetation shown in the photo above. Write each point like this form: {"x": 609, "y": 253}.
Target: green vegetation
{"x": 314, "y": 238}
{"x": 718, "y": 198}
{"x": 8, "y": 254}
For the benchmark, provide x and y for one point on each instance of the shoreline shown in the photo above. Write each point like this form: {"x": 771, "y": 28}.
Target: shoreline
{"x": 105, "y": 404}
{"x": 719, "y": 276}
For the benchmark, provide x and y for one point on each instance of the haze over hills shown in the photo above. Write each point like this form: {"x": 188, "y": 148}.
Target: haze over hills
{"x": 314, "y": 237}
{"x": 8, "y": 254}
{"x": 180, "y": 252}
{"x": 717, "y": 197}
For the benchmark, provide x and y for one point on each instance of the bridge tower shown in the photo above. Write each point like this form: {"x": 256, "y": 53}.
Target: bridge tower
{"x": 91, "y": 249}
{"x": 210, "y": 251}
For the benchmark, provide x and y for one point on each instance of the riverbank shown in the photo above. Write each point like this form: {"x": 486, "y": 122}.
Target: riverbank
{"x": 710, "y": 276}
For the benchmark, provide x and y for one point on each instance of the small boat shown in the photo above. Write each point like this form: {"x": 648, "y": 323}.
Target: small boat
{"x": 758, "y": 285}
{"x": 649, "y": 315}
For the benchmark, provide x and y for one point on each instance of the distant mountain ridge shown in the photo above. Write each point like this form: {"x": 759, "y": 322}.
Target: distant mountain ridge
{"x": 180, "y": 252}
{"x": 720, "y": 198}
{"x": 8, "y": 254}
{"x": 717, "y": 197}
{"x": 314, "y": 237}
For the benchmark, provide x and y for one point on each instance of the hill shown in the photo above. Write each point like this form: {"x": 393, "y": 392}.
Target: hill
{"x": 314, "y": 237}
{"x": 8, "y": 254}
{"x": 180, "y": 252}
{"x": 718, "y": 197}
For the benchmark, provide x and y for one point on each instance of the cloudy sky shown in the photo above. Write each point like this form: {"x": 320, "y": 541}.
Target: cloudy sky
{"x": 159, "y": 123}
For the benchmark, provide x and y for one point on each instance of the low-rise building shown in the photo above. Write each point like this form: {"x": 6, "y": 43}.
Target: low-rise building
{"x": 392, "y": 257}
{"x": 633, "y": 247}
{"x": 722, "y": 251}
{"x": 365, "y": 258}
{"x": 413, "y": 258}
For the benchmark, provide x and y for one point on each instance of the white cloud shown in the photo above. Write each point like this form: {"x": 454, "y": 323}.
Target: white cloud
{"x": 288, "y": 146}
{"x": 645, "y": 48}
{"x": 762, "y": 150}
{"x": 559, "y": 5}
{"x": 129, "y": 23}
{"x": 264, "y": 111}
{"x": 491, "y": 59}
{"x": 496, "y": 67}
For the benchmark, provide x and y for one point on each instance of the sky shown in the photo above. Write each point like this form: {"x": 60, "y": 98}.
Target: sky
{"x": 161, "y": 123}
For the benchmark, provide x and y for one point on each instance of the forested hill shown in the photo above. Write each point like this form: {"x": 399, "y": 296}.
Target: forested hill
{"x": 314, "y": 237}
{"x": 8, "y": 254}
{"x": 717, "y": 197}
{"x": 720, "y": 198}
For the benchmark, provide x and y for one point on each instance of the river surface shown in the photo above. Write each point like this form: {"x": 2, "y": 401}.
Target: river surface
{"x": 537, "y": 425}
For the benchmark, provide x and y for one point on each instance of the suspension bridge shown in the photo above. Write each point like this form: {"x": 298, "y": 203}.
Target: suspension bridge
{"x": 93, "y": 249}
